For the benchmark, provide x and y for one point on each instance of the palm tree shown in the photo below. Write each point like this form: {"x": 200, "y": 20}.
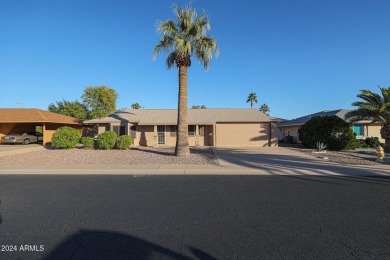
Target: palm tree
{"x": 265, "y": 109}
{"x": 375, "y": 108}
{"x": 252, "y": 98}
{"x": 182, "y": 39}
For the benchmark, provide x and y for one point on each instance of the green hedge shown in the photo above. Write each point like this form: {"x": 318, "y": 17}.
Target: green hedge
{"x": 65, "y": 137}
{"x": 124, "y": 142}
{"x": 107, "y": 140}
{"x": 330, "y": 130}
{"x": 88, "y": 142}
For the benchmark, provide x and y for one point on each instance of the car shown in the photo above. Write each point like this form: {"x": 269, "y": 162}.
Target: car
{"x": 23, "y": 138}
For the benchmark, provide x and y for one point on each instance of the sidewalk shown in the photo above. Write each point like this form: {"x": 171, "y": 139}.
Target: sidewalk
{"x": 150, "y": 169}
{"x": 166, "y": 169}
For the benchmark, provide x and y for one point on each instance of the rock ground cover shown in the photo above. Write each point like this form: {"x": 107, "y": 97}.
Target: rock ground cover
{"x": 355, "y": 157}
{"x": 135, "y": 156}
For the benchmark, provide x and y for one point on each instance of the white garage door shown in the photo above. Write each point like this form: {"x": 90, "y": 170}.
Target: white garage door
{"x": 242, "y": 134}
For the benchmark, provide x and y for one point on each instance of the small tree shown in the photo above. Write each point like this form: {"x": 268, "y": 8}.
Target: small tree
{"x": 70, "y": 108}
{"x": 65, "y": 137}
{"x": 333, "y": 131}
{"x": 265, "y": 109}
{"x": 101, "y": 101}
{"x": 135, "y": 106}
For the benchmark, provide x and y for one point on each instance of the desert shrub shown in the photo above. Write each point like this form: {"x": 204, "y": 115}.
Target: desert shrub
{"x": 65, "y": 137}
{"x": 88, "y": 142}
{"x": 333, "y": 131}
{"x": 107, "y": 140}
{"x": 354, "y": 143}
{"x": 361, "y": 143}
{"x": 372, "y": 142}
{"x": 124, "y": 142}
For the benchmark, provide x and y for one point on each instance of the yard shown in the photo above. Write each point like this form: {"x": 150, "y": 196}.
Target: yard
{"x": 361, "y": 156}
{"x": 135, "y": 156}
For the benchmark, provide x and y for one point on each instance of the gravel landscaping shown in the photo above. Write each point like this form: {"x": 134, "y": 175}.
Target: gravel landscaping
{"x": 144, "y": 155}
{"x": 356, "y": 157}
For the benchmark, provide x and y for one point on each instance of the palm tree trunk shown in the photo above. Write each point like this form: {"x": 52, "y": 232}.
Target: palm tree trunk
{"x": 182, "y": 146}
{"x": 385, "y": 134}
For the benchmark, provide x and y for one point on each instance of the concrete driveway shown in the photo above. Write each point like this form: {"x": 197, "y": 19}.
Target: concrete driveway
{"x": 280, "y": 160}
{"x": 11, "y": 149}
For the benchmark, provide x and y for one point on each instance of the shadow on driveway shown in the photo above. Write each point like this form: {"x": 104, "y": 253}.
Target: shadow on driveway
{"x": 278, "y": 160}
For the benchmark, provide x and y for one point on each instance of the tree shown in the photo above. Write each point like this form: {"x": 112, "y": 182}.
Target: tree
{"x": 252, "y": 98}
{"x": 375, "y": 108}
{"x": 101, "y": 101}
{"x": 182, "y": 39}
{"x": 135, "y": 106}
{"x": 198, "y": 107}
{"x": 333, "y": 131}
{"x": 265, "y": 109}
{"x": 70, "y": 108}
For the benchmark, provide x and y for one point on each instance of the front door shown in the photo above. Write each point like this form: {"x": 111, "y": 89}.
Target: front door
{"x": 161, "y": 134}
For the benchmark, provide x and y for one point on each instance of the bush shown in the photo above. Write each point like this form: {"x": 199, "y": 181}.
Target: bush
{"x": 107, "y": 140}
{"x": 333, "y": 131}
{"x": 372, "y": 142}
{"x": 362, "y": 143}
{"x": 65, "y": 137}
{"x": 88, "y": 142}
{"x": 353, "y": 144}
{"x": 124, "y": 142}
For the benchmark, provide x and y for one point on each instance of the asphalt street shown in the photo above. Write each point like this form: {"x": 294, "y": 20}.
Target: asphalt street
{"x": 194, "y": 217}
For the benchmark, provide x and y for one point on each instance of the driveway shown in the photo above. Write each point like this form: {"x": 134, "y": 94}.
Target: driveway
{"x": 280, "y": 160}
{"x": 11, "y": 149}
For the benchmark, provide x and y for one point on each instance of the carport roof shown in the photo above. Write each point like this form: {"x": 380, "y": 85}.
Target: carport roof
{"x": 195, "y": 116}
{"x": 34, "y": 115}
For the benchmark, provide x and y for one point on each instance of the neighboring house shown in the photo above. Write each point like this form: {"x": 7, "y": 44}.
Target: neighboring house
{"x": 16, "y": 120}
{"x": 206, "y": 127}
{"x": 361, "y": 129}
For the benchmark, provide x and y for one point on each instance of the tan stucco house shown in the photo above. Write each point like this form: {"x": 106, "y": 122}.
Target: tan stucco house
{"x": 14, "y": 120}
{"x": 362, "y": 129}
{"x": 207, "y": 127}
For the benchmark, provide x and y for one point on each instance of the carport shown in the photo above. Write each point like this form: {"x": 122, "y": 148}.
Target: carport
{"x": 28, "y": 119}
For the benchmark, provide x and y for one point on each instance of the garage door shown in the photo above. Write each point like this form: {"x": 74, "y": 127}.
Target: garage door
{"x": 242, "y": 134}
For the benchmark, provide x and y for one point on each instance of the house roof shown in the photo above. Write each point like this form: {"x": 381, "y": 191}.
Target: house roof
{"x": 195, "y": 116}
{"x": 33, "y": 115}
{"x": 301, "y": 120}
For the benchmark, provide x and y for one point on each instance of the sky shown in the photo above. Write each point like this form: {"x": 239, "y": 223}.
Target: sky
{"x": 299, "y": 57}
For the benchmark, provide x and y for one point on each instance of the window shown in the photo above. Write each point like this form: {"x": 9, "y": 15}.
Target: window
{"x": 115, "y": 129}
{"x": 133, "y": 131}
{"x": 122, "y": 130}
{"x": 161, "y": 129}
{"x": 358, "y": 129}
{"x": 191, "y": 130}
{"x": 107, "y": 128}
{"x": 173, "y": 130}
{"x": 119, "y": 130}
